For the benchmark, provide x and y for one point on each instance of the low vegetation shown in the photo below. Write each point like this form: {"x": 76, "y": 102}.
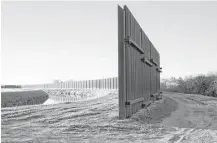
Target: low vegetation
{"x": 11, "y": 86}
{"x": 19, "y": 98}
{"x": 200, "y": 84}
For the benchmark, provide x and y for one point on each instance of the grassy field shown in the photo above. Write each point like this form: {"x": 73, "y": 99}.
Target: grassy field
{"x": 181, "y": 118}
{"x": 18, "y": 97}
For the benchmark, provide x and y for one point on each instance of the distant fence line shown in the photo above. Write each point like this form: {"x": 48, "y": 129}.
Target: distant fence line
{"x": 108, "y": 83}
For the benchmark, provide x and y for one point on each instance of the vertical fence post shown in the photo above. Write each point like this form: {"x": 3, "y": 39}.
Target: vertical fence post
{"x": 109, "y": 83}
{"x": 121, "y": 63}
{"x": 95, "y": 84}
{"x": 105, "y": 84}
{"x": 91, "y": 84}
{"x": 114, "y": 85}
{"x": 77, "y": 84}
{"x": 85, "y": 84}
{"x": 74, "y": 84}
{"x": 88, "y": 84}
{"x": 117, "y": 82}
{"x": 99, "y": 83}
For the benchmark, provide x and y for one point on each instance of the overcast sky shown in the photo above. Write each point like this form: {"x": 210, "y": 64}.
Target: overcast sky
{"x": 43, "y": 41}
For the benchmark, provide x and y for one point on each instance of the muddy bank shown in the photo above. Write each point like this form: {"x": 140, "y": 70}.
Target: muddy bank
{"x": 19, "y": 98}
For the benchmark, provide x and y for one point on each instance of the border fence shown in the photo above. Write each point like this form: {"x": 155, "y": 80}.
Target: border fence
{"x": 138, "y": 65}
{"x": 108, "y": 83}
{"x": 138, "y": 80}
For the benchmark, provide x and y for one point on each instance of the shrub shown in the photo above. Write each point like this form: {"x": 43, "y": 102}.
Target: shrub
{"x": 200, "y": 84}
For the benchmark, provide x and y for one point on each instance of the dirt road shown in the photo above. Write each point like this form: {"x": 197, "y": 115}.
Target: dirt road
{"x": 175, "y": 118}
{"x": 194, "y": 111}
{"x": 196, "y": 115}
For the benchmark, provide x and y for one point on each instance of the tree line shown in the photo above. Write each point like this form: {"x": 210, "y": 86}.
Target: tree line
{"x": 11, "y": 86}
{"x": 200, "y": 84}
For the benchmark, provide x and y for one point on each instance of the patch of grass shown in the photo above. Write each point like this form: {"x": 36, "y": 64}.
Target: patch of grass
{"x": 10, "y": 99}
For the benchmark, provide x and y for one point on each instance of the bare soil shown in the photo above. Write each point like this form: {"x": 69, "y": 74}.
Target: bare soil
{"x": 176, "y": 118}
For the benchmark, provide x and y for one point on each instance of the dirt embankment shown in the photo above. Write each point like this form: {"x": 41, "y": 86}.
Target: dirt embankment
{"x": 157, "y": 111}
{"x": 182, "y": 111}
{"x": 19, "y": 98}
